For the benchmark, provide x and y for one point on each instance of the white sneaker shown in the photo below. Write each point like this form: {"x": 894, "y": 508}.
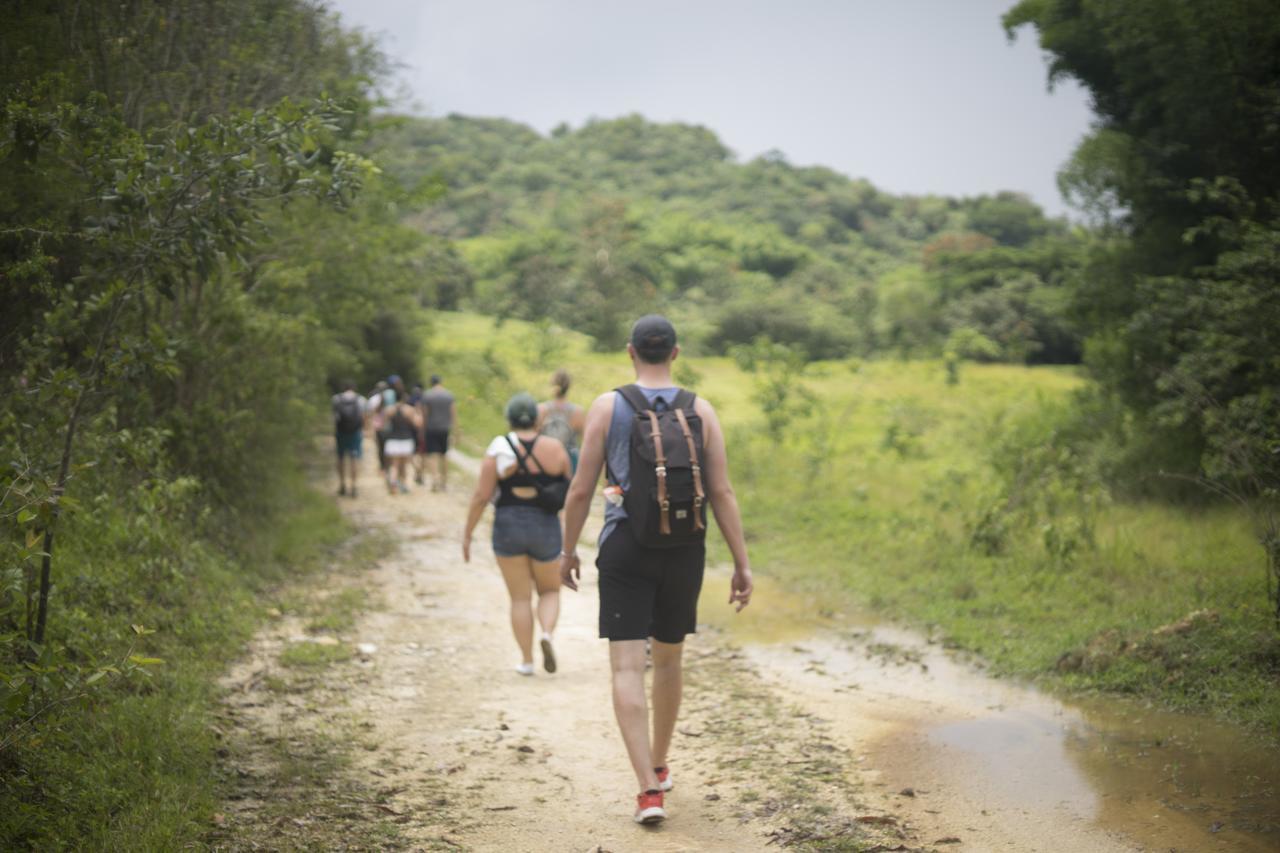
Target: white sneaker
{"x": 525, "y": 669}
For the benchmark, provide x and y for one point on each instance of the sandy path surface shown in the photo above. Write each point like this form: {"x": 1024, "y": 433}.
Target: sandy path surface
{"x": 448, "y": 748}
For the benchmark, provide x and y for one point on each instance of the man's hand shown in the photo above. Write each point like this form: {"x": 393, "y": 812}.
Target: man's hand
{"x": 466, "y": 549}
{"x": 570, "y": 570}
{"x": 740, "y": 588}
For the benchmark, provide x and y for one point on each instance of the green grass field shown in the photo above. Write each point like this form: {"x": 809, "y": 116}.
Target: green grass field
{"x": 893, "y": 493}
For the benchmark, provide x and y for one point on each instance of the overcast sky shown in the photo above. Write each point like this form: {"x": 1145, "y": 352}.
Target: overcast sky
{"x": 917, "y": 96}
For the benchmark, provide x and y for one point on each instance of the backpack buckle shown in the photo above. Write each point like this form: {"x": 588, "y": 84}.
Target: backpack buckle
{"x": 662, "y": 470}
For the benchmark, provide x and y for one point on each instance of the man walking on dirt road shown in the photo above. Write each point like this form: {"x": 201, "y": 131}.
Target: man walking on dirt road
{"x": 652, "y": 551}
{"x": 441, "y": 417}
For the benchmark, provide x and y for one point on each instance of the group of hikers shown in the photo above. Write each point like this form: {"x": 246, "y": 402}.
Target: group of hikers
{"x": 662, "y": 451}
{"x": 410, "y": 427}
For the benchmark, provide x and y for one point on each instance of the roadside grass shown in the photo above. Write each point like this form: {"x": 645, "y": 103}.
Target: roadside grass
{"x": 336, "y": 613}
{"x": 313, "y": 655}
{"x": 297, "y": 791}
{"x": 136, "y": 768}
{"x": 882, "y": 497}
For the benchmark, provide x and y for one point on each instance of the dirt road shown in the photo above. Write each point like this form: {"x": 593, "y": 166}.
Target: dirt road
{"x": 381, "y": 711}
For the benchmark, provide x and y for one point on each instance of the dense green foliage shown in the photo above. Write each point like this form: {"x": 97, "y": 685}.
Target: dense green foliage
{"x": 190, "y": 251}
{"x": 592, "y": 226}
{"x": 1183, "y": 169}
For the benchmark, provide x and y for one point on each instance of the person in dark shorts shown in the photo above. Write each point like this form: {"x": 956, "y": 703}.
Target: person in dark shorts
{"x": 349, "y": 410}
{"x": 526, "y": 537}
{"x": 648, "y": 593}
{"x": 442, "y": 417}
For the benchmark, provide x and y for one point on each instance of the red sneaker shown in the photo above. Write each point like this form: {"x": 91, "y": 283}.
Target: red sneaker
{"x": 664, "y": 778}
{"x": 649, "y": 807}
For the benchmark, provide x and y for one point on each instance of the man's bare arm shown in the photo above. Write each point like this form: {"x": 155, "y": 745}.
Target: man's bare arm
{"x": 724, "y": 503}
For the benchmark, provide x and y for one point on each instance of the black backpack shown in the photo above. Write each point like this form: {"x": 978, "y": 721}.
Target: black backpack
{"x": 666, "y": 504}
{"x": 550, "y": 496}
{"x": 350, "y": 418}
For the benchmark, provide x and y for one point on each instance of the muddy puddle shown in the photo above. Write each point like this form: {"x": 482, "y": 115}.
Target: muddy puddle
{"x": 1024, "y": 770}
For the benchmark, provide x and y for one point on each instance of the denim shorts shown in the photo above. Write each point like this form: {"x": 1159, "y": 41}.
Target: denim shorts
{"x": 526, "y": 530}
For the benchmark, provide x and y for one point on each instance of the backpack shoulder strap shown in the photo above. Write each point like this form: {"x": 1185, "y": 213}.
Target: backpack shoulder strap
{"x": 684, "y": 400}
{"x": 529, "y": 454}
{"x": 698, "y": 494}
{"x": 633, "y": 395}
{"x": 520, "y": 463}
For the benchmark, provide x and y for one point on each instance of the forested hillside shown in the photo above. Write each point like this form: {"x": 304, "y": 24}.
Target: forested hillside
{"x": 590, "y": 226}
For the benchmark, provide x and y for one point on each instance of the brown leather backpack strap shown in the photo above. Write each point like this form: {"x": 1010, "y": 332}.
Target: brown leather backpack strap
{"x": 664, "y": 505}
{"x": 698, "y": 494}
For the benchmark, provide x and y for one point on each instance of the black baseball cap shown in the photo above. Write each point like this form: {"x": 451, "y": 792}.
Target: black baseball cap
{"x": 653, "y": 337}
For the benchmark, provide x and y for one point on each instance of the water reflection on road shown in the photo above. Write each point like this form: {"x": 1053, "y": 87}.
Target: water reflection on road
{"x": 1017, "y": 768}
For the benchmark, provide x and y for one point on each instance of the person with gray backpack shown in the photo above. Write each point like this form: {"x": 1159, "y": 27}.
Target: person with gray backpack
{"x": 560, "y": 419}
{"x": 663, "y": 453}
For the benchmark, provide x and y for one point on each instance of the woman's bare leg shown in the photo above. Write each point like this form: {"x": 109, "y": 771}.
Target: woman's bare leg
{"x": 546, "y": 577}
{"x": 518, "y": 574}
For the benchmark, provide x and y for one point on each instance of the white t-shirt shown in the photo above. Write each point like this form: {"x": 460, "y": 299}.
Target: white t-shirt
{"x": 502, "y": 453}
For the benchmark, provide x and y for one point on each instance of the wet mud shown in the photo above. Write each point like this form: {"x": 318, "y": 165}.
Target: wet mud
{"x": 1019, "y": 766}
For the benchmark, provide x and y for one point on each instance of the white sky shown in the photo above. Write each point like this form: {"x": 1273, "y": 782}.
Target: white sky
{"x": 918, "y": 96}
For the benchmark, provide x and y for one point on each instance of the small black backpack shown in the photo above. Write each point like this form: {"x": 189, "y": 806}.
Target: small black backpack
{"x": 350, "y": 417}
{"x": 550, "y": 496}
{"x": 666, "y": 503}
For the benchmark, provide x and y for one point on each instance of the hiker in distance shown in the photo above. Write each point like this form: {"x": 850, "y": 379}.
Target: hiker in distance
{"x": 526, "y": 476}
{"x": 441, "y": 418}
{"x": 349, "y": 410}
{"x": 664, "y": 455}
{"x": 401, "y": 426}
{"x": 561, "y": 419}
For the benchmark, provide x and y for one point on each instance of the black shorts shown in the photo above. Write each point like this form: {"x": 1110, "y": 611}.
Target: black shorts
{"x": 648, "y": 592}
{"x": 437, "y": 441}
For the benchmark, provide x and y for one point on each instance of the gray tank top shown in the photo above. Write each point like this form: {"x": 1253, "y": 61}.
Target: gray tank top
{"x": 617, "y": 448}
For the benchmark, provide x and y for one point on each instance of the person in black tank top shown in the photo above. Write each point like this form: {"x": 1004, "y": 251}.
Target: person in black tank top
{"x": 402, "y": 429}
{"x": 526, "y": 537}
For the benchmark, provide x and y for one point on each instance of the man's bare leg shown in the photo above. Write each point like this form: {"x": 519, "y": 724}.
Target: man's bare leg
{"x": 626, "y": 659}
{"x": 668, "y": 685}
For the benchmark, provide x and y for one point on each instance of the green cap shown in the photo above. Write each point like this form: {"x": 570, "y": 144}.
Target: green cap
{"x": 522, "y": 410}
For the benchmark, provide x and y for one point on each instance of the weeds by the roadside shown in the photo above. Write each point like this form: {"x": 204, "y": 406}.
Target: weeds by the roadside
{"x": 132, "y": 769}
{"x": 288, "y": 781}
